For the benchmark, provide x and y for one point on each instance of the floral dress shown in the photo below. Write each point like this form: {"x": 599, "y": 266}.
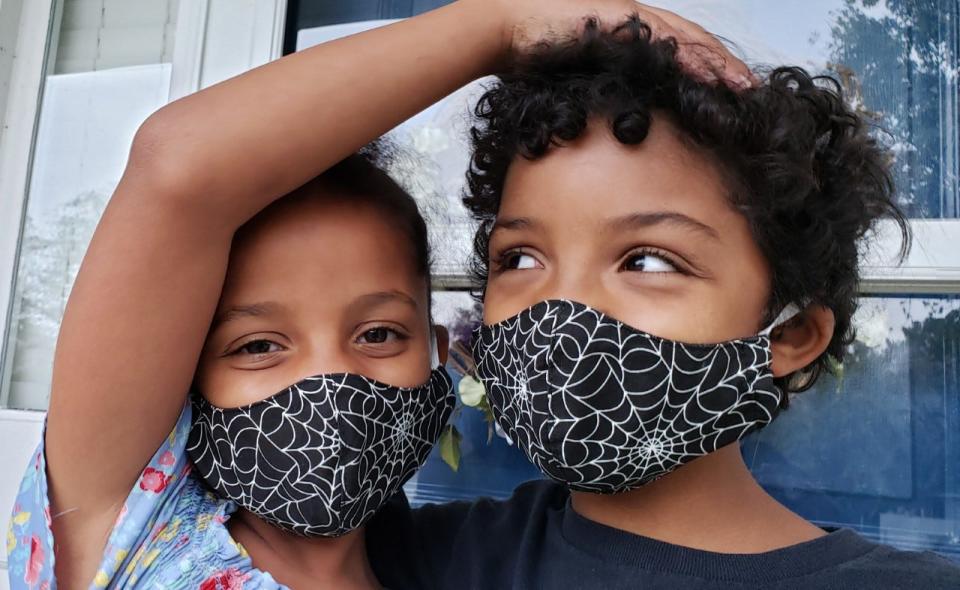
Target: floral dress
{"x": 170, "y": 533}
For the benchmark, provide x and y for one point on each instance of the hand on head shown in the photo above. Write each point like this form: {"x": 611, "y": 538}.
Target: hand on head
{"x": 527, "y": 23}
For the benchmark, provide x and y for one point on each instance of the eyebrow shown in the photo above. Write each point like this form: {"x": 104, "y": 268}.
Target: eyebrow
{"x": 632, "y": 221}
{"x": 650, "y": 218}
{"x": 245, "y": 311}
{"x": 514, "y": 223}
{"x": 379, "y": 297}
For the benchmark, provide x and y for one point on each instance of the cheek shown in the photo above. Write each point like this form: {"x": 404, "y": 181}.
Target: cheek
{"x": 698, "y": 316}
{"x": 728, "y": 307}
{"x": 410, "y": 375}
{"x": 508, "y": 293}
{"x": 409, "y": 369}
{"x": 231, "y": 388}
{"x": 498, "y": 306}
{"x": 685, "y": 309}
{"x": 227, "y": 387}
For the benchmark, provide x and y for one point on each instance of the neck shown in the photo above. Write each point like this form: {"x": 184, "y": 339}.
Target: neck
{"x": 300, "y": 562}
{"x": 712, "y": 503}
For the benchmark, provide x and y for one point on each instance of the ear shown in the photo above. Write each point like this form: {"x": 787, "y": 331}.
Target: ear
{"x": 443, "y": 343}
{"x": 801, "y": 340}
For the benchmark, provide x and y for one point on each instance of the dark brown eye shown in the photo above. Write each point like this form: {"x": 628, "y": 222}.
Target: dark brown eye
{"x": 259, "y": 347}
{"x": 518, "y": 260}
{"x": 377, "y": 336}
{"x": 648, "y": 262}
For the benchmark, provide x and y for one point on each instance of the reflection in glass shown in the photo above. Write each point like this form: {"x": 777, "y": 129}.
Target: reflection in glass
{"x": 878, "y": 447}
{"x": 896, "y": 58}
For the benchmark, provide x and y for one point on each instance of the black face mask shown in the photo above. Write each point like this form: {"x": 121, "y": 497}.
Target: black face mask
{"x": 320, "y": 457}
{"x": 603, "y": 407}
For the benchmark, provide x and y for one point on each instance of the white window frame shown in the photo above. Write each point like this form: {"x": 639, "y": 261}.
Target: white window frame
{"x": 931, "y": 267}
{"x": 18, "y": 126}
{"x": 215, "y": 39}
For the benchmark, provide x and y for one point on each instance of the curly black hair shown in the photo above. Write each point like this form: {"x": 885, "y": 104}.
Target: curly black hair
{"x": 800, "y": 163}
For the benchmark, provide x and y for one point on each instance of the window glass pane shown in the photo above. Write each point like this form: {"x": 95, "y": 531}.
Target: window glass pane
{"x": 897, "y": 59}
{"x": 111, "y": 70}
{"x": 876, "y": 450}
{"x": 902, "y": 55}
{"x": 307, "y": 14}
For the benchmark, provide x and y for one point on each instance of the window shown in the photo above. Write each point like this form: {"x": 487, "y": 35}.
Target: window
{"x": 108, "y": 65}
{"x": 110, "y": 69}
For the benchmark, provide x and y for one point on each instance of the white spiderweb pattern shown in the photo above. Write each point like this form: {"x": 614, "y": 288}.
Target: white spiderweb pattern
{"x": 603, "y": 407}
{"x": 320, "y": 457}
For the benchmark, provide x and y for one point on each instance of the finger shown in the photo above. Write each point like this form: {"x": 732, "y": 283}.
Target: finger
{"x": 724, "y": 64}
{"x": 700, "y": 63}
{"x": 735, "y": 71}
{"x": 716, "y": 56}
{"x": 659, "y": 29}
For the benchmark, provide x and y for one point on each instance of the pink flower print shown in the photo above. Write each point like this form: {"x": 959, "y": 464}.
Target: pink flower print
{"x": 34, "y": 563}
{"x": 153, "y": 480}
{"x": 231, "y": 579}
{"x": 167, "y": 458}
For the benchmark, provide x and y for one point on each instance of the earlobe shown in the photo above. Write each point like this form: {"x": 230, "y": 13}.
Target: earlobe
{"x": 800, "y": 341}
{"x": 443, "y": 343}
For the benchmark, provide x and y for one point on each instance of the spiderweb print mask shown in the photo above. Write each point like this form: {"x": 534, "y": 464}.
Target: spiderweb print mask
{"x": 320, "y": 457}
{"x": 603, "y": 407}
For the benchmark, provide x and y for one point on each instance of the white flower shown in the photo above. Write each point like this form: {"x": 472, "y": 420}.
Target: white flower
{"x": 471, "y": 391}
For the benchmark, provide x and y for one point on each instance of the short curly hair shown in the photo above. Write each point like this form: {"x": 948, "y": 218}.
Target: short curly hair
{"x": 800, "y": 163}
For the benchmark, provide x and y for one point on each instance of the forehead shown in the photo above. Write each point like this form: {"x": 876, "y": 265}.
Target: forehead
{"x": 313, "y": 250}
{"x": 598, "y": 177}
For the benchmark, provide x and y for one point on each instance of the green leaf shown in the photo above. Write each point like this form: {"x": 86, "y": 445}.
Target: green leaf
{"x": 450, "y": 446}
{"x": 471, "y": 392}
{"x": 835, "y": 366}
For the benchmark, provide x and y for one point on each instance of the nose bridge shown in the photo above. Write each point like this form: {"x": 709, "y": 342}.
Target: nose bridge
{"x": 325, "y": 351}
{"x": 575, "y": 278}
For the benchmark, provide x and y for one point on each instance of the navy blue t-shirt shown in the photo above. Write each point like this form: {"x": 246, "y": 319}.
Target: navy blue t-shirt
{"x": 536, "y": 540}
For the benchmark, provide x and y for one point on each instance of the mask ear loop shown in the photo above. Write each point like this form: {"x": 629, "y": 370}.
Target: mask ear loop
{"x": 788, "y": 313}
{"x": 434, "y": 353}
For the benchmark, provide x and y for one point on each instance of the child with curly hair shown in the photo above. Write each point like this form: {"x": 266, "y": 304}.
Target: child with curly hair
{"x": 663, "y": 262}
